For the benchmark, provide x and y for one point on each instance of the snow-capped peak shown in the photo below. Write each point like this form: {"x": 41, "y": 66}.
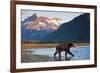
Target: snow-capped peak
{"x": 41, "y": 22}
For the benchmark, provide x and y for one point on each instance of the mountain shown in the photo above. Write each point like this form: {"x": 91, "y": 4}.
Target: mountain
{"x": 77, "y": 30}
{"x": 35, "y": 35}
{"x": 38, "y": 27}
{"x": 35, "y": 22}
{"x": 30, "y": 19}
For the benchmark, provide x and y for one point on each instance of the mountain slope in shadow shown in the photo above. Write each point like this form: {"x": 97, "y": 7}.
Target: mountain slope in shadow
{"x": 77, "y": 30}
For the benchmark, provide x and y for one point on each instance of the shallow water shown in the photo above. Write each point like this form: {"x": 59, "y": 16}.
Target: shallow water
{"x": 47, "y": 54}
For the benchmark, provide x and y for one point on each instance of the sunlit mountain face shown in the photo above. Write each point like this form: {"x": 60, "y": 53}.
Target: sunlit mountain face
{"x": 35, "y": 26}
{"x": 36, "y": 22}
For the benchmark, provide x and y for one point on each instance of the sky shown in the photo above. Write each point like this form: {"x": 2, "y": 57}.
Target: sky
{"x": 64, "y": 15}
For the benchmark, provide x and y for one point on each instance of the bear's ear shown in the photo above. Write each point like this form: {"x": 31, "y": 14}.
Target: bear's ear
{"x": 70, "y": 45}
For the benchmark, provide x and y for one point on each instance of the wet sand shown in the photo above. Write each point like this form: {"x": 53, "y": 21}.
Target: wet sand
{"x": 27, "y": 56}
